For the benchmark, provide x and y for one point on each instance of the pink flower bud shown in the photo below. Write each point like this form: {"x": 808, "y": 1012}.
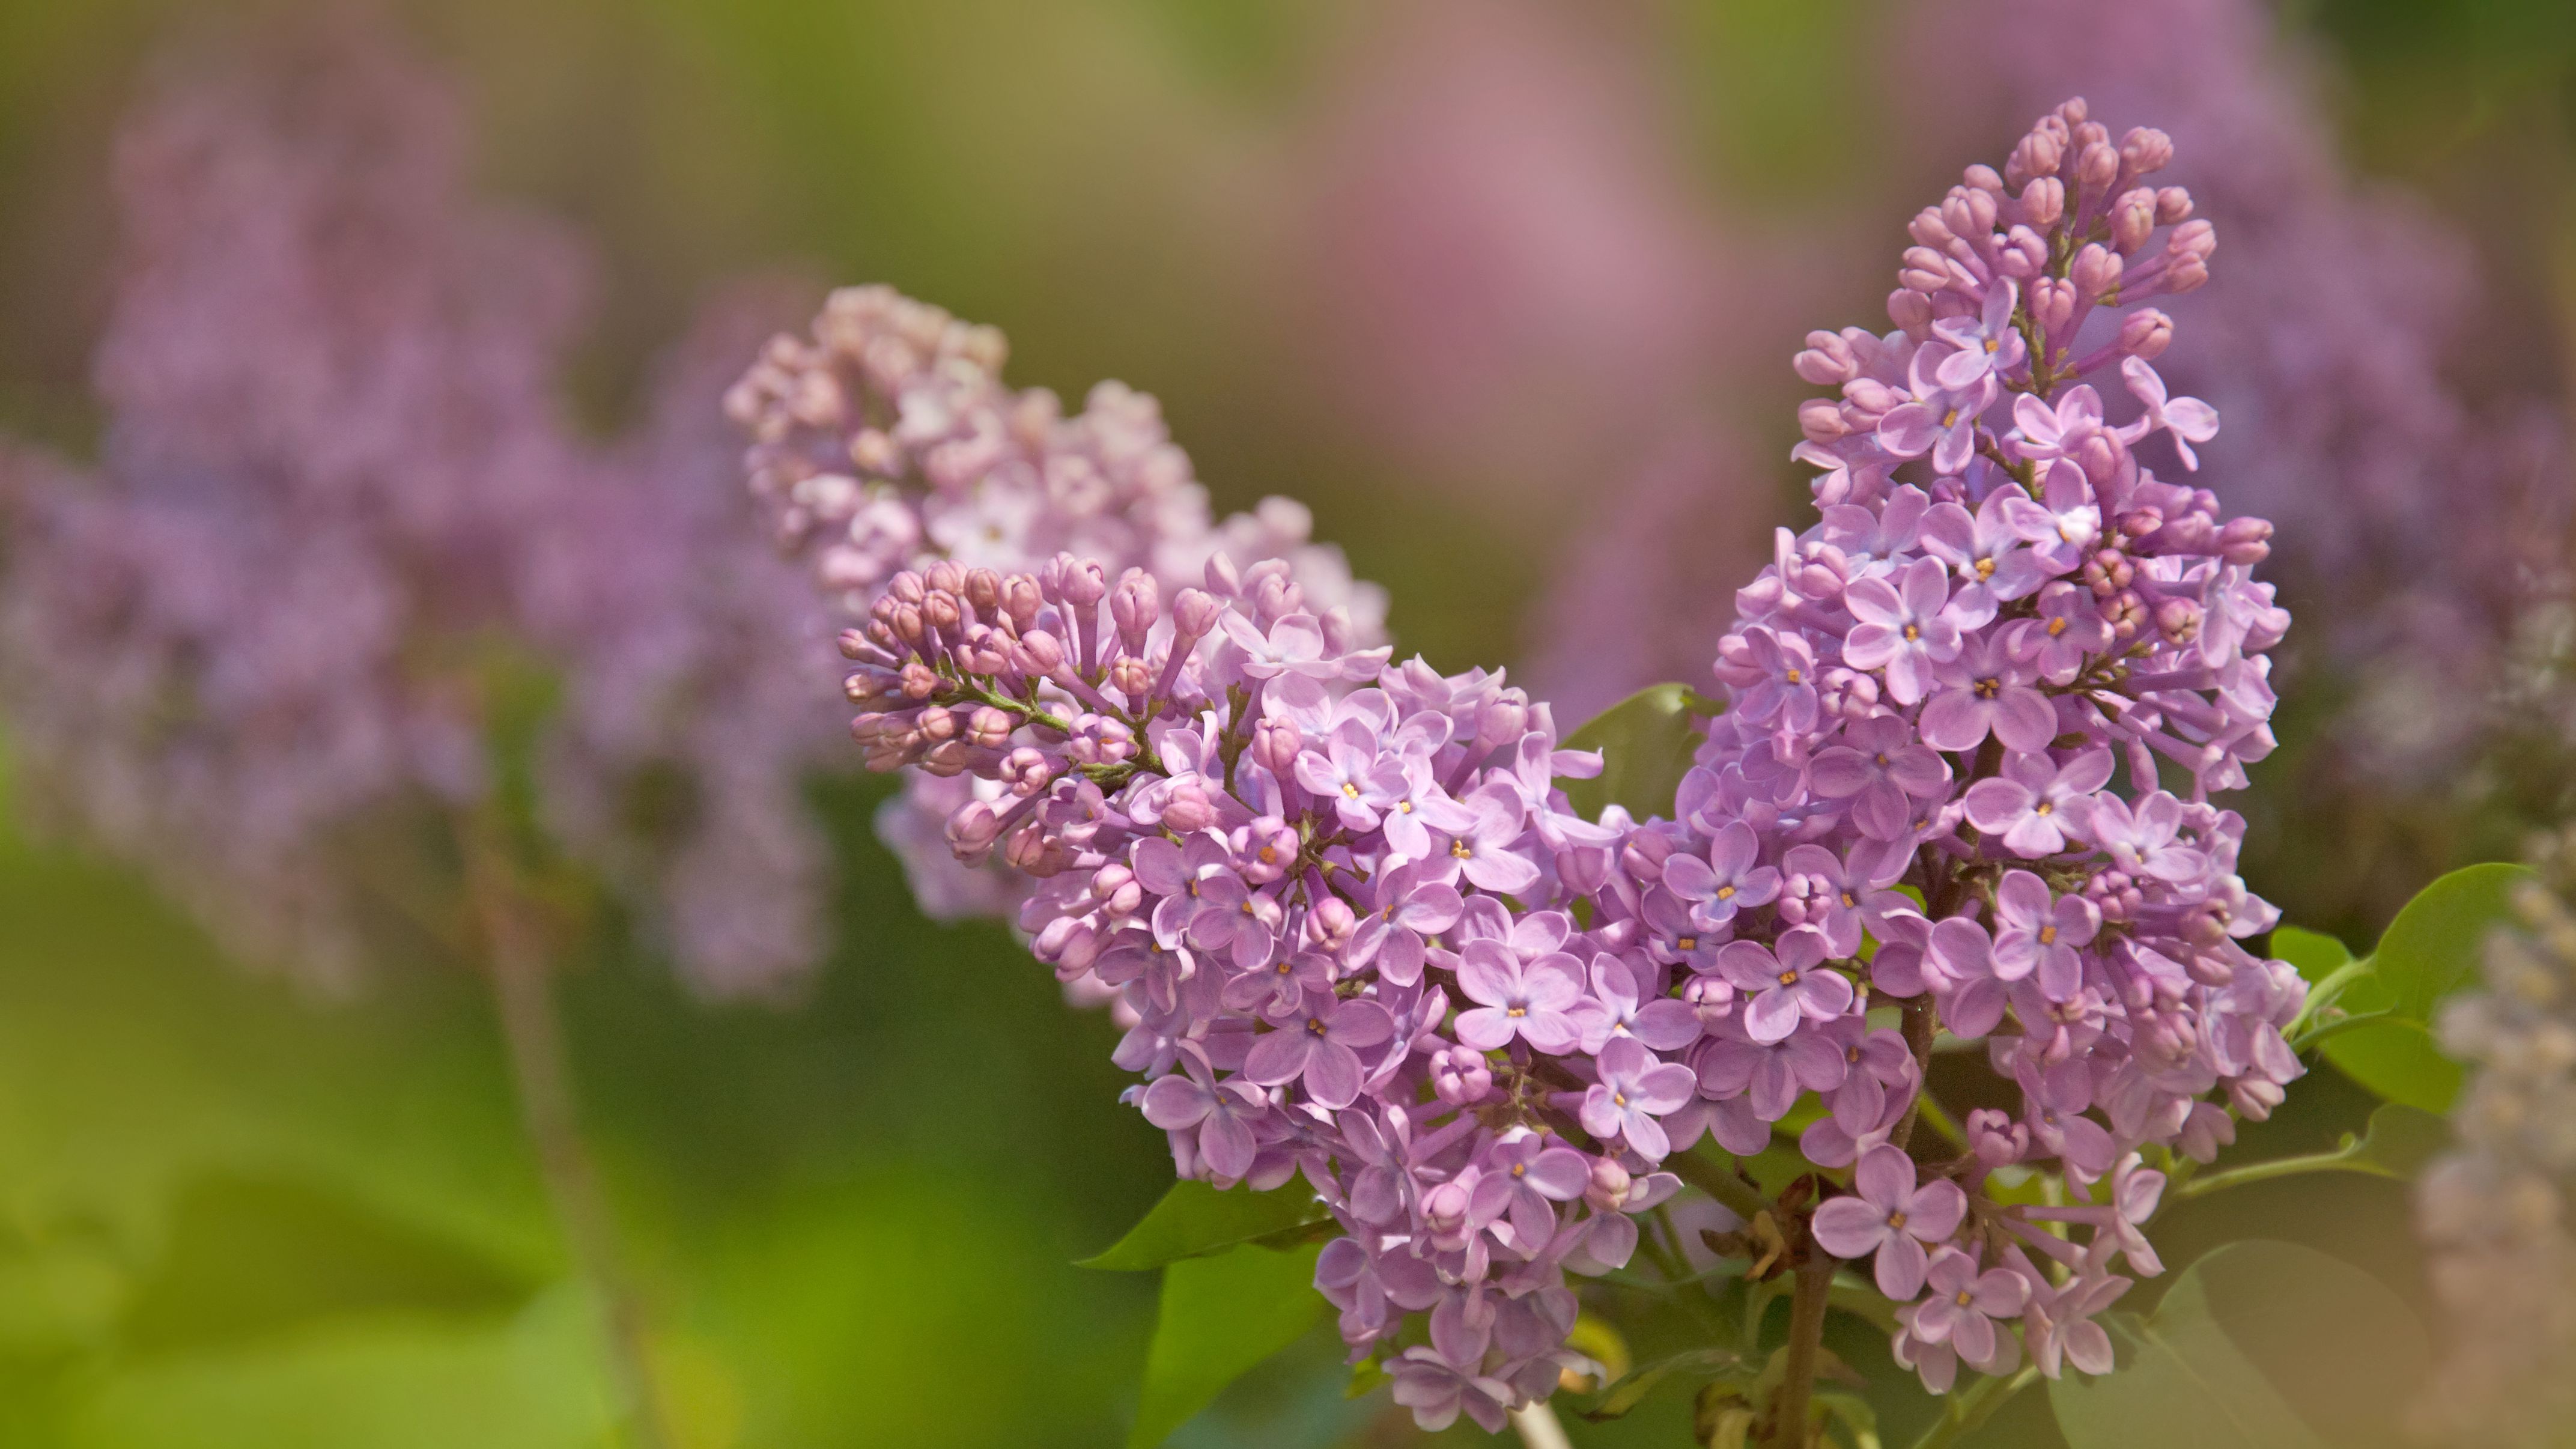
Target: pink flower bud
{"x": 1135, "y": 607}
{"x": 1040, "y": 654}
{"x": 2095, "y": 272}
{"x": 1330, "y": 923}
{"x": 2097, "y": 166}
{"x": 1609, "y": 1186}
{"x": 2146, "y": 150}
{"x": 1275, "y": 745}
{"x": 2245, "y": 541}
{"x": 2173, "y": 205}
{"x": 1193, "y": 614}
{"x": 1444, "y": 1208}
{"x": 1911, "y": 311}
{"x": 2145, "y": 333}
{"x": 2133, "y": 219}
{"x": 1187, "y": 809}
{"x": 2043, "y": 201}
{"x": 852, "y": 643}
{"x": 1826, "y": 362}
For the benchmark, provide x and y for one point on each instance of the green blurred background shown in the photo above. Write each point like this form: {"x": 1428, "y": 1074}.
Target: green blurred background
{"x": 233, "y": 1216}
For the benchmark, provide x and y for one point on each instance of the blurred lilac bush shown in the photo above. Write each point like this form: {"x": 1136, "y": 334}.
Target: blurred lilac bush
{"x": 338, "y": 504}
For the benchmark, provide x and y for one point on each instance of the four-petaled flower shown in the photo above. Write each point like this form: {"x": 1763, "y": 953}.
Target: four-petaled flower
{"x": 1890, "y": 1216}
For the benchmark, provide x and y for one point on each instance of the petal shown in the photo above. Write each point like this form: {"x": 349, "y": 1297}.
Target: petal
{"x": 1174, "y": 1102}
{"x": 2024, "y": 719}
{"x": 1955, "y": 719}
{"x": 1278, "y": 1056}
{"x": 1849, "y": 1227}
{"x": 1885, "y": 1178}
{"x": 1772, "y": 1015}
{"x": 1900, "y": 1267}
{"x": 1332, "y": 1075}
{"x": 1934, "y": 1211}
{"x": 1486, "y": 1028}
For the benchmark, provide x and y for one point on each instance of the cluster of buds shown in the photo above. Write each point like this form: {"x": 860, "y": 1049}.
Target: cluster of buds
{"x": 1357, "y": 933}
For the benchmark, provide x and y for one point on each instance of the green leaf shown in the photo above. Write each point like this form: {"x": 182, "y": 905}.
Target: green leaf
{"x": 252, "y": 1257}
{"x": 1194, "y": 1220}
{"x": 2260, "y": 1345}
{"x": 1716, "y": 1365}
{"x": 2431, "y": 950}
{"x": 2314, "y": 953}
{"x": 2434, "y": 946}
{"x": 2400, "y": 1140}
{"x": 1646, "y": 742}
{"x": 1220, "y": 1317}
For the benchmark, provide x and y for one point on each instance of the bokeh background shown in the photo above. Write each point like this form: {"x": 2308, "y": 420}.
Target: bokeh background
{"x": 1505, "y": 292}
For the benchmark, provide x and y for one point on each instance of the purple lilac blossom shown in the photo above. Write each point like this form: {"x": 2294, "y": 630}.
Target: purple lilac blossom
{"x": 2495, "y": 1211}
{"x": 325, "y": 384}
{"x": 884, "y": 439}
{"x": 1173, "y": 782}
{"x": 336, "y": 501}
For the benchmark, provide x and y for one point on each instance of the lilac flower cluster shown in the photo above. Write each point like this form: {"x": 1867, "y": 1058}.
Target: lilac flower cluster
{"x": 336, "y": 505}
{"x": 1362, "y": 936}
{"x": 1934, "y": 686}
{"x": 2494, "y": 1211}
{"x": 885, "y": 440}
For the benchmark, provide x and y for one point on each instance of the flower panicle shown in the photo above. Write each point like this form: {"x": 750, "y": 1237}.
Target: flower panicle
{"x": 1356, "y": 931}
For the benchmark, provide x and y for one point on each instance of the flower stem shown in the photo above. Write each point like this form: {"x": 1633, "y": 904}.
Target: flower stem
{"x": 1974, "y": 1407}
{"x": 523, "y": 992}
{"x": 1538, "y": 1427}
{"x": 1806, "y": 1343}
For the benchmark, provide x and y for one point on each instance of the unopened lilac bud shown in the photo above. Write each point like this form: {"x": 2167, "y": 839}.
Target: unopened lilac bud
{"x": 2052, "y": 305}
{"x": 905, "y": 587}
{"x": 2133, "y": 220}
{"x": 1111, "y": 882}
{"x": 1925, "y": 271}
{"x": 1330, "y": 923}
{"x": 2024, "y": 255}
{"x": 1930, "y": 228}
{"x": 1711, "y": 998}
{"x": 1135, "y": 606}
{"x": 1187, "y": 809}
{"x": 2173, "y": 205}
{"x": 1341, "y": 635}
{"x": 2096, "y": 166}
{"x": 983, "y": 590}
{"x": 1021, "y": 600}
{"x": 1131, "y": 676}
{"x": 943, "y": 611}
{"x": 1609, "y": 1187}
{"x": 947, "y": 576}
{"x": 2145, "y": 334}
{"x": 1032, "y": 852}
{"x": 2188, "y": 249}
{"x": 2146, "y": 150}
{"x": 2037, "y": 154}
{"x": 1221, "y": 577}
{"x": 1027, "y": 771}
{"x": 988, "y": 728}
{"x": 2254, "y": 1098}
{"x": 2043, "y": 201}
{"x": 2126, "y": 613}
{"x": 1194, "y": 614}
{"x": 1995, "y": 1138}
{"x": 1827, "y": 360}
{"x": 1444, "y": 1208}
{"x": 1821, "y": 420}
{"x": 1503, "y": 720}
{"x": 2096, "y": 271}
{"x": 2246, "y": 541}
{"x": 1275, "y": 745}
{"x": 1984, "y": 178}
{"x": 2179, "y": 621}
{"x": 1911, "y": 311}
{"x": 1460, "y": 1076}
{"x": 918, "y": 681}
{"x": 972, "y": 829}
{"x": 1040, "y": 653}
{"x": 852, "y": 643}
{"x": 1083, "y": 582}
